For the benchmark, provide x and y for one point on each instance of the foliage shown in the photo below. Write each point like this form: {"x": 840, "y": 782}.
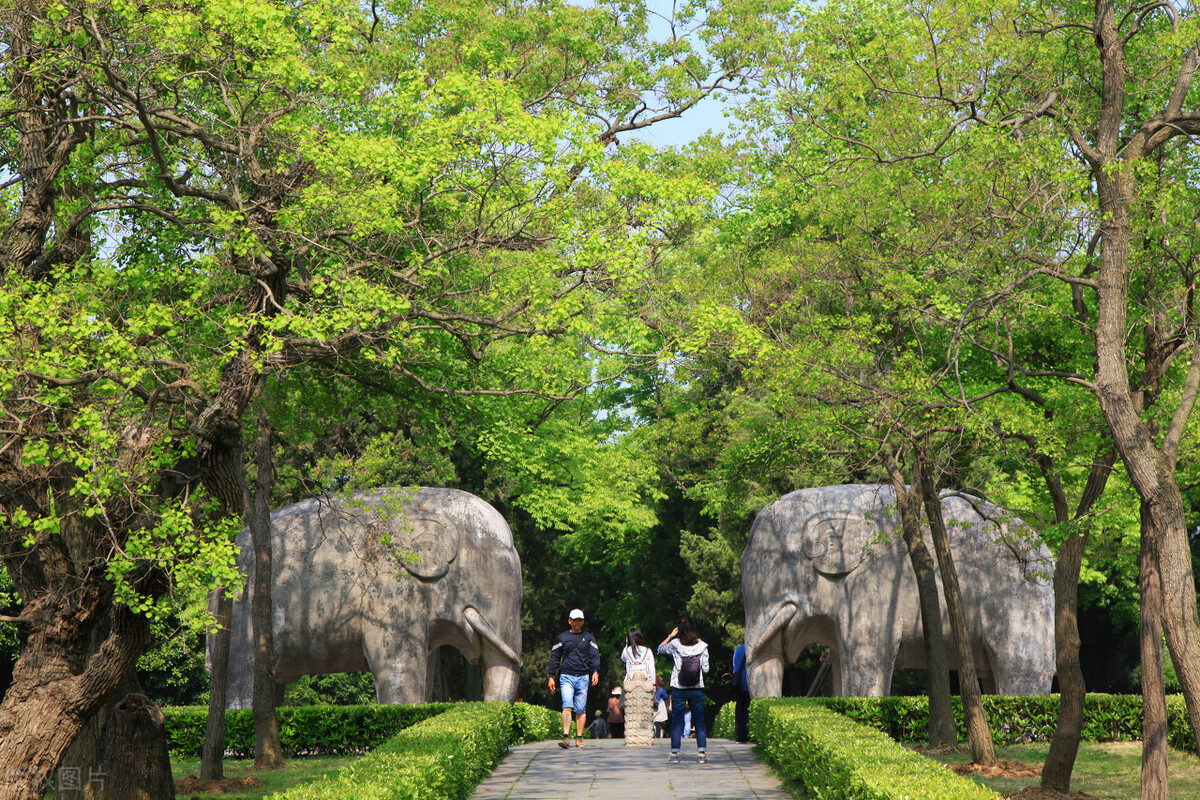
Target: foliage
{"x": 303, "y": 730}
{"x": 1030, "y": 718}
{"x": 723, "y": 724}
{"x": 442, "y": 758}
{"x": 171, "y": 670}
{"x": 837, "y": 758}
{"x": 534, "y": 723}
{"x": 335, "y": 688}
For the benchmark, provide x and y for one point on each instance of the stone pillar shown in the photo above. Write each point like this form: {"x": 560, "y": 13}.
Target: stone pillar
{"x": 639, "y": 711}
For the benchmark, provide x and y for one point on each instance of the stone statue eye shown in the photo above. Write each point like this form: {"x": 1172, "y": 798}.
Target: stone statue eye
{"x": 816, "y": 548}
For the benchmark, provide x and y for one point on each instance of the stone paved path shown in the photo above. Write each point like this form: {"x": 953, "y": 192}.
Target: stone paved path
{"x": 607, "y": 769}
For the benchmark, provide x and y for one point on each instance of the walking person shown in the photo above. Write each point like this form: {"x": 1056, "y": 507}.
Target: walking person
{"x": 575, "y": 659}
{"x": 690, "y": 653}
{"x": 616, "y": 714}
{"x": 639, "y": 689}
{"x": 662, "y": 706}
{"x": 741, "y": 695}
{"x": 598, "y": 727}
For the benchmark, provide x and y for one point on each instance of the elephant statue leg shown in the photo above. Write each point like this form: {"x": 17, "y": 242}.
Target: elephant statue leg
{"x": 866, "y": 672}
{"x": 868, "y": 659}
{"x": 399, "y": 662}
{"x": 1022, "y": 670}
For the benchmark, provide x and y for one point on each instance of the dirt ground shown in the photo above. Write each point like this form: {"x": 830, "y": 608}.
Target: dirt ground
{"x": 1035, "y": 793}
{"x": 191, "y": 785}
{"x": 1006, "y": 769}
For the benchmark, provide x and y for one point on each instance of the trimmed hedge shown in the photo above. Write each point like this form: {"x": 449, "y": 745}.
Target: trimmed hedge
{"x": 722, "y": 727}
{"x": 442, "y": 758}
{"x": 535, "y": 723}
{"x": 1014, "y": 718}
{"x": 838, "y": 759}
{"x": 303, "y": 730}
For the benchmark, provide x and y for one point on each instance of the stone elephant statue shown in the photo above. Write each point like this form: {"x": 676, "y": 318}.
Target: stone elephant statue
{"x": 378, "y": 582}
{"x": 829, "y": 565}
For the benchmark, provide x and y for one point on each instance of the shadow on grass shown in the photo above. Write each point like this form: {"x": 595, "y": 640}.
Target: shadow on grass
{"x": 243, "y": 781}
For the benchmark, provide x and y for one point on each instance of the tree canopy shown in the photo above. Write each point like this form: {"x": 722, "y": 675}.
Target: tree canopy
{"x": 432, "y": 239}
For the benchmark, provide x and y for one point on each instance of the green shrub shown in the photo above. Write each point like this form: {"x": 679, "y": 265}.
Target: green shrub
{"x": 442, "y": 758}
{"x": 723, "y": 722}
{"x": 838, "y": 759}
{"x": 535, "y": 723}
{"x": 303, "y": 730}
{"x": 1012, "y": 718}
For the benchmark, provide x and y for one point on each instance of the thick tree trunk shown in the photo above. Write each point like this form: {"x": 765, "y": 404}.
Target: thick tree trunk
{"x": 211, "y": 760}
{"x": 133, "y": 753}
{"x": 57, "y": 686}
{"x": 1151, "y": 471}
{"x": 1154, "y": 705}
{"x": 268, "y": 752}
{"x": 121, "y": 753}
{"x": 937, "y": 666}
{"x": 219, "y": 433}
{"x": 1178, "y": 595}
{"x": 979, "y": 735}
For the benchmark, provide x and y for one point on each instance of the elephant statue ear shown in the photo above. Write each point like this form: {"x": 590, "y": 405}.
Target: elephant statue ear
{"x": 836, "y": 544}
{"x": 430, "y": 544}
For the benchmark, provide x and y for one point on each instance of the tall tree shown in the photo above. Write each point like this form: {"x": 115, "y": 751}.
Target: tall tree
{"x": 284, "y": 187}
{"x": 1048, "y": 91}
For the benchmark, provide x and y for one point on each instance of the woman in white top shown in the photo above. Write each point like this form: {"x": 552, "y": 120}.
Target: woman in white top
{"x": 687, "y": 685}
{"x": 639, "y": 690}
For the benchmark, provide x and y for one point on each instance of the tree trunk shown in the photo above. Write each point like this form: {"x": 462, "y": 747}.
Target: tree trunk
{"x": 219, "y": 436}
{"x": 268, "y": 752}
{"x": 120, "y": 753}
{"x": 57, "y": 687}
{"x": 211, "y": 766}
{"x": 1068, "y": 731}
{"x": 937, "y": 666}
{"x": 1151, "y": 471}
{"x": 979, "y": 735}
{"x": 133, "y": 753}
{"x": 1064, "y": 747}
{"x": 1154, "y": 705}
{"x": 1178, "y": 597}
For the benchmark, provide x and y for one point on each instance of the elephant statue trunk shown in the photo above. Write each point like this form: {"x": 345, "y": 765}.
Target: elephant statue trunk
{"x": 501, "y": 665}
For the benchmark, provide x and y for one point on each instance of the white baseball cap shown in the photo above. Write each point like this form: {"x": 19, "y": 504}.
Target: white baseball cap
{"x": 575, "y": 614}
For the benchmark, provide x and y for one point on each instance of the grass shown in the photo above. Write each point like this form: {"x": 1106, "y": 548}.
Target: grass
{"x": 1104, "y": 769}
{"x": 297, "y": 771}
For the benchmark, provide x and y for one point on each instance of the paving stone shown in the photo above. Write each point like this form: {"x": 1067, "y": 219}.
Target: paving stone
{"x": 607, "y": 769}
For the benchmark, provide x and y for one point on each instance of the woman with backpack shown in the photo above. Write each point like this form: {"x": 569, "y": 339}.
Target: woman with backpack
{"x": 687, "y": 685}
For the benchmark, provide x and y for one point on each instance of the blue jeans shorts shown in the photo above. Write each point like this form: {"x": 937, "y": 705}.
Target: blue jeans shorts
{"x": 574, "y": 690}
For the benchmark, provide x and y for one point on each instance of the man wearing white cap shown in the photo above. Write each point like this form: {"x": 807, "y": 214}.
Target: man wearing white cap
{"x": 574, "y": 657}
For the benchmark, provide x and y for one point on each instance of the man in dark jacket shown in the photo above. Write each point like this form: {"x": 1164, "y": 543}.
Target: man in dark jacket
{"x": 574, "y": 657}
{"x": 741, "y": 695}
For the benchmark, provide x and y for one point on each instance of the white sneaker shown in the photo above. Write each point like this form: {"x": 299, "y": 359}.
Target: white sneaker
{"x": 702, "y": 757}
{"x": 673, "y": 758}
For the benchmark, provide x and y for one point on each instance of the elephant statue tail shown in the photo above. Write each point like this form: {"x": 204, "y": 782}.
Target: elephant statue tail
{"x": 784, "y": 613}
{"x": 489, "y": 635}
